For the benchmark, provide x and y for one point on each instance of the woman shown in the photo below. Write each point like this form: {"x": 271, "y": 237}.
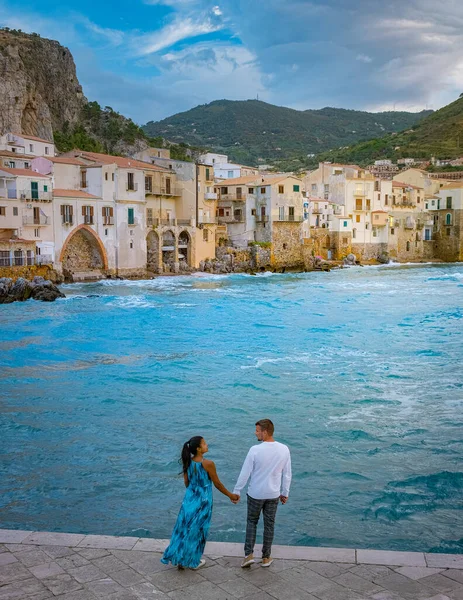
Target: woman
{"x": 192, "y": 526}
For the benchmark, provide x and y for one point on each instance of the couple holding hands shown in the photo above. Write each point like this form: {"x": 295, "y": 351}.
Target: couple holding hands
{"x": 267, "y": 465}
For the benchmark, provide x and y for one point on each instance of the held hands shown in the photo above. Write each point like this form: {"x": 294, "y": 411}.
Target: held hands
{"x": 234, "y": 498}
{"x": 283, "y": 499}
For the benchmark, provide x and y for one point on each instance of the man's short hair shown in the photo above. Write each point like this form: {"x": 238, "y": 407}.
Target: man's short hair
{"x": 266, "y": 425}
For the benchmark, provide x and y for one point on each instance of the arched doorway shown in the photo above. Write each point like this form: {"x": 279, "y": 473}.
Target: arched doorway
{"x": 83, "y": 252}
{"x": 152, "y": 252}
{"x": 184, "y": 250}
{"x": 168, "y": 250}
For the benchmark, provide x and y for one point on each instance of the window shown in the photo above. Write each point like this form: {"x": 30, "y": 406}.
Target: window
{"x": 149, "y": 217}
{"x": 130, "y": 182}
{"x": 2, "y": 211}
{"x": 67, "y": 214}
{"x": 15, "y": 211}
{"x": 448, "y": 231}
{"x": 130, "y": 216}
{"x": 367, "y": 225}
{"x": 354, "y": 233}
{"x": 253, "y": 212}
{"x": 433, "y": 202}
{"x": 368, "y": 204}
{"x": 281, "y": 213}
{"x": 375, "y": 233}
{"x": 251, "y": 190}
{"x": 208, "y": 178}
{"x": 386, "y": 199}
{"x": 112, "y": 176}
{"x": 376, "y": 217}
{"x": 148, "y": 184}
{"x": 106, "y": 231}
{"x": 36, "y": 232}
{"x": 376, "y": 185}
{"x": 357, "y": 218}
{"x": 291, "y": 213}
{"x": 45, "y": 188}
{"x": 426, "y": 205}
{"x": 107, "y": 212}
{"x": 31, "y": 147}
{"x": 448, "y": 219}
{"x": 46, "y": 150}
{"x": 131, "y": 244}
{"x": 449, "y": 202}
{"x": 345, "y": 241}
{"x": 314, "y": 187}
{"x": 26, "y": 165}
{"x": 106, "y": 176}
{"x": 83, "y": 178}
{"x": 205, "y": 235}
{"x": 427, "y": 235}
{"x": 281, "y": 189}
{"x": 438, "y": 204}
{"x": 169, "y": 188}
{"x": 408, "y": 246}
{"x": 418, "y": 200}
{"x": 87, "y": 213}
{"x": 221, "y": 212}
{"x": 345, "y": 223}
{"x": 239, "y": 195}
{"x": 358, "y": 204}
{"x": 262, "y": 190}
{"x": 12, "y": 164}
{"x": 230, "y": 174}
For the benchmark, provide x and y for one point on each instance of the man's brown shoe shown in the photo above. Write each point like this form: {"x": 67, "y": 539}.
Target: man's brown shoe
{"x": 247, "y": 562}
{"x": 266, "y": 562}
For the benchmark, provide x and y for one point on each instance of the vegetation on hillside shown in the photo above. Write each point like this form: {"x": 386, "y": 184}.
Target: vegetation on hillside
{"x": 256, "y": 132}
{"x": 439, "y": 135}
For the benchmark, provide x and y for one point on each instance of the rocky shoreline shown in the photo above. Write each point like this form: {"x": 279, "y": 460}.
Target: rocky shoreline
{"x": 22, "y": 289}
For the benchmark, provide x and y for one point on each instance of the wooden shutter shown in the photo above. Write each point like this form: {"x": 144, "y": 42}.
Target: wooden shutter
{"x": 91, "y": 211}
{"x": 103, "y": 214}
{"x": 62, "y": 209}
{"x": 71, "y": 210}
{"x": 83, "y": 211}
{"x": 111, "y": 212}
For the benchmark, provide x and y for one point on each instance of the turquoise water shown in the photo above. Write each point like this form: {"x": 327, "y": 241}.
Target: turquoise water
{"x": 360, "y": 370}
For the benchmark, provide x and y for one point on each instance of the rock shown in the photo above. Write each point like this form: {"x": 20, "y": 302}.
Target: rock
{"x": 350, "y": 260}
{"x": 21, "y": 290}
{"x": 5, "y": 286}
{"x": 383, "y": 258}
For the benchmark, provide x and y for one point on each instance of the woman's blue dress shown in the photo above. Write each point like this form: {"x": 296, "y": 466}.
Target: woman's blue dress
{"x": 190, "y": 532}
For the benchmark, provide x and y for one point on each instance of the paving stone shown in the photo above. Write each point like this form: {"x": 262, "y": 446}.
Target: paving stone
{"x": 386, "y": 557}
{"x": 327, "y": 569}
{"x": 61, "y": 584}
{"x": 13, "y": 536}
{"x": 127, "y": 577}
{"x": 218, "y": 574}
{"x": 200, "y": 591}
{"x": 281, "y": 564}
{"x": 124, "y": 595}
{"x": 102, "y": 588}
{"x": 2, "y": 548}
{"x": 405, "y": 587}
{"x": 259, "y": 596}
{"x": 13, "y": 572}
{"x": 284, "y": 590}
{"x": 305, "y": 579}
{"x": 439, "y": 597}
{"x": 387, "y": 595}
{"x": 149, "y": 565}
{"x": 57, "y": 551}
{"x": 18, "y": 590}
{"x": 54, "y": 539}
{"x": 454, "y": 574}
{"x": 371, "y": 572}
{"x": 72, "y": 561}
{"x": 342, "y": 555}
{"x": 15, "y": 548}
{"x": 239, "y": 588}
{"x": 147, "y": 591}
{"x": 79, "y": 595}
{"x": 151, "y": 545}
{"x": 91, "y": 553}
{"x": 33, "y": 557}
{"x": 356, "y": 583}
{"x": 230, "y": 561}
{"x": 45, "y": 595}
{"x": 259, "y": 576}
{"x": 450, "y": 561}
{"x": 109, "y": 564}
{"x": 455, "y": 594}
{"x": 86, "y": 573}
{"x": 334, "y": 591}
{"x": 440, "y": 583}
{"x": 49, "y": 569}
{"x": 173, "y": 579}
{"x": 6, "y": 558}
{"x": 108, "y": 541}
{"x": 416, "y": 573}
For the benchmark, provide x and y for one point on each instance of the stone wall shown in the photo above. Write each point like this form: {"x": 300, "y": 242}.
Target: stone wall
{"x": 448, "y": 243}
{"x": 29, "y": 273}
{"x": 369, "y": 251}
{"x": 287, "y": 245}
{"x": 341, "y": 244}
{"x": 82, "y": 254}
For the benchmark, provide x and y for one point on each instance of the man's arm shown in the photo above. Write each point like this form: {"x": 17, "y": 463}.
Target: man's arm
{"x": 286, "y": 477}
{"x": 246, "y": 471}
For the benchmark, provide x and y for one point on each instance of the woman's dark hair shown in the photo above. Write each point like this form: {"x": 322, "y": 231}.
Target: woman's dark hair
{"x": 189, "y": 449}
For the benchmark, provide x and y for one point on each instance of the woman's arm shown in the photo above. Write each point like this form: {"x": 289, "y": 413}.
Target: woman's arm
{"x": 185, "y": 479}
{"x": 209, "y": 465}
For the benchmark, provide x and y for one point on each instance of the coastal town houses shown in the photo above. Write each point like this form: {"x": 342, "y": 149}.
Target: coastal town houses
{"x": 26, "y": 219}
{"x": 447, "y": 214}
{"x": 264, "y": 210}
{"x": 195, "y": 208}
{"x": 224, "y": 169}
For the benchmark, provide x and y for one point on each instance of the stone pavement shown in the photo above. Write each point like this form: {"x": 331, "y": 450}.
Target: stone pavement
{"x": 68, "y": 566}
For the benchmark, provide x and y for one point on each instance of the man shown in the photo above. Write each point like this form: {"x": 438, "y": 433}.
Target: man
{"x": 267, "y": 464}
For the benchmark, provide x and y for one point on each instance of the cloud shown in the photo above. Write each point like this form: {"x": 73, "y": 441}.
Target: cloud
{"x": 364, "y": 58}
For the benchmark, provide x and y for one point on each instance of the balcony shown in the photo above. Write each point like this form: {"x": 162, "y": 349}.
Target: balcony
{"x": 232, "y": 219}
{"x": 108, "y": 220}
{"x": 134, "y": 223}
{"x": 8, "y": 194}
{"x": 88, "y": 220}
{"x": 162, "y": 191}
{"x": 26, "y": 195}
{"x": 155, "y": 222}
{"x": 232, "y": 197}
{"x": 262, "y": 218}
{"x": 289, "y": 219}
{"x": 68, "y": 220}
{"x": 210, "y": 196}
{"x": 35, "y": 221}
{"x": 204, "y": 220}
{"x": 133, "y": 187}
{"x": 25, "y": 261}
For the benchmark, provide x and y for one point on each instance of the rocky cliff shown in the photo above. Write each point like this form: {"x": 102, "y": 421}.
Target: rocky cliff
{"x": 39, "y": 90}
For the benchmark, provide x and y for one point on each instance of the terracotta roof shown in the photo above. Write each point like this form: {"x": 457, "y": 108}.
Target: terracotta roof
{"x": 254, "y": 180}
{"x": 237, "y": 181}
{"x": 24, "y": 173}
{"x": 31, "y": 137}
{"x": 16, "y": 155}
{"x": 65, "y": 160}
{"x": 120, "y": 161}
{"x": 404, "y": 185}
{"x": 61, "y": 193}
{"x": 379, "y": 211}
{"x": 453, "y": 185}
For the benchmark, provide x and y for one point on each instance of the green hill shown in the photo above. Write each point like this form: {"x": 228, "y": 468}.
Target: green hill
{"x": 250, "y": 130}
{"x": 440, "y": 135}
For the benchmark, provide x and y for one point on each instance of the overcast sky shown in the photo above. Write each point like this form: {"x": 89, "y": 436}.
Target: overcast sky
{"x": 149, "y": 59}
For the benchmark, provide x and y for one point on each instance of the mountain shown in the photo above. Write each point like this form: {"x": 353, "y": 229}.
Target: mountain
{"x": 440, "y": 135}
{"x": 250, "y": 130}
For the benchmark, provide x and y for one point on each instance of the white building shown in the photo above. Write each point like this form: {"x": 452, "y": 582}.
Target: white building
{"x": 20, "y": 144}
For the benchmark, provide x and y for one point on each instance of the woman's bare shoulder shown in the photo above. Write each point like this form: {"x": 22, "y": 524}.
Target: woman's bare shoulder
{"x": 208, "y": 463}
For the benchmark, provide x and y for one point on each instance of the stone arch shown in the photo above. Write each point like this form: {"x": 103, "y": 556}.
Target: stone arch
{"x": 169, "y": 250}
{"x": 184, "y": 248}
{"x": 152, "y": 251}
{"x": 83, "y": 251}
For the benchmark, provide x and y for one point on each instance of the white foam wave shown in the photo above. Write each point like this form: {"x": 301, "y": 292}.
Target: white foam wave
{"x": 131, "y": 302}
